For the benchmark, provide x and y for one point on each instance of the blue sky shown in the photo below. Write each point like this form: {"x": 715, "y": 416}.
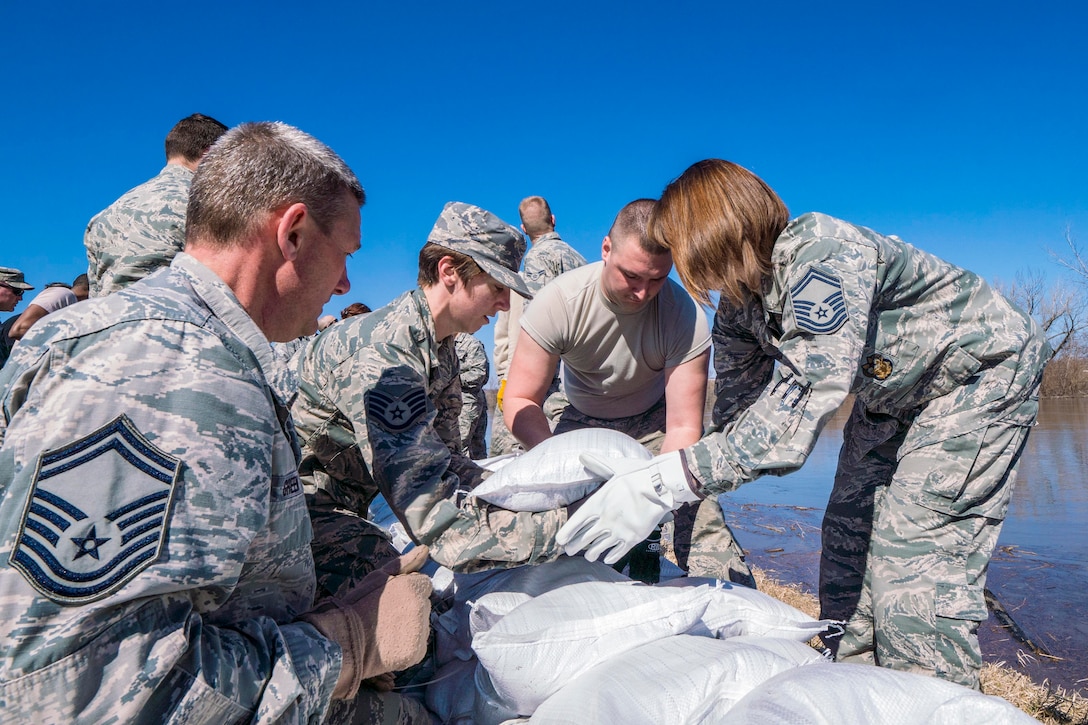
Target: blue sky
{"x": 958, "y": 126}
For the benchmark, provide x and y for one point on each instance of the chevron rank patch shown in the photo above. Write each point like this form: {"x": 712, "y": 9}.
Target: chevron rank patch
{"x": 396, "y": 407}
{"x": 96, "y": 515}
{"x": 818, "y": 302}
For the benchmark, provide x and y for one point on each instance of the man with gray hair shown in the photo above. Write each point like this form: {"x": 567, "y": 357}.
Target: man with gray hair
{"x": 378, "y": 408}
{"x": 635, "y": 350}
{"x": 155, "y": 564}
{"x": 145, "y": 228}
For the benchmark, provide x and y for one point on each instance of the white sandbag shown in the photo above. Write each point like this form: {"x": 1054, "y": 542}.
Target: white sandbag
{"x": 847, "y": 693}
{"x": 550, "y": 475}
{"x": 736, "y": 610}
{"x": 548, "y": 641}
{"x": 668, "y": 680}
{"x": 453, "y": 633}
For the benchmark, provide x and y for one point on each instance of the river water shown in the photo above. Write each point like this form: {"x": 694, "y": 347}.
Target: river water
{"x": 1039, "y": 572}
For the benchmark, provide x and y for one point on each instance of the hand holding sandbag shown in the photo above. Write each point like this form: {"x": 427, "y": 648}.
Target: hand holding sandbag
{"x": 627, "y": 508}
{"x": 382, "y": 625}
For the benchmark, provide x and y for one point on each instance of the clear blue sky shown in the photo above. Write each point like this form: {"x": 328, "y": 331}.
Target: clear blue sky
{"x": 958, "y": 126}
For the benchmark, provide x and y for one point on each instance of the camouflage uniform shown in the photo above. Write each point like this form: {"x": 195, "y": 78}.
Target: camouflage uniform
{"x": 547, "y": 258}
{"x": 474, "y": 372}
{"x": 378, "y": 409}
{"x": 946, "y": 375}
{"x": 138, "y": 233}
{"x": 155, "y": 542}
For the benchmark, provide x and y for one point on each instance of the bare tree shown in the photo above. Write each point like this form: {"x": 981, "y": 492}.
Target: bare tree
{"x": 1075, "y": 260}
{"x": 1061, "y": 309}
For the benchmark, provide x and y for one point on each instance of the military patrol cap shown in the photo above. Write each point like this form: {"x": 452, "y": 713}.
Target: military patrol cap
{"x": 492, "y": 243}
{"x": 14, "y": 278}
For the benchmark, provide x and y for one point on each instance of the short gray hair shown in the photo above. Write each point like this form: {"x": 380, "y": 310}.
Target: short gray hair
{"x": 256, "y": 168}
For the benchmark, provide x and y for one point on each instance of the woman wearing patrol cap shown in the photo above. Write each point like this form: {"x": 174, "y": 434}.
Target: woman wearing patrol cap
{"x": 378, "y": 409}
{"x": 945, "y": 374}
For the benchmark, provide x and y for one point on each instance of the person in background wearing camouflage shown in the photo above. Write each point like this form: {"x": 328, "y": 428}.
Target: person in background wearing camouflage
{"x": 547, "y": 258}
{"x": 474, "y": 371}
{"x": 945, "y": 374}
{"x": 154, "y": 541}
{"x": 635, "y": 349}
{"x": 378, "y": 408}
{"x": 145, "y": 228}
{"x": 12, "y": 287}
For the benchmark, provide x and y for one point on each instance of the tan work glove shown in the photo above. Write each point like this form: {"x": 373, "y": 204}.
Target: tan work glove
{"x": 381, "y": 625}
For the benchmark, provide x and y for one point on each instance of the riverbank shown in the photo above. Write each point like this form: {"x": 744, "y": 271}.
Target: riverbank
{"x": 1042, "y": 599}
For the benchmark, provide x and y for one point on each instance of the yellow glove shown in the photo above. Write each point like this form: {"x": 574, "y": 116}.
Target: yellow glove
{"x": 498, "y": 395}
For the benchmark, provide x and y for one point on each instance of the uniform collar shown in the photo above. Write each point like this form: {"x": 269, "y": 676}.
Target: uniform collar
{"x": 225, "y": 306}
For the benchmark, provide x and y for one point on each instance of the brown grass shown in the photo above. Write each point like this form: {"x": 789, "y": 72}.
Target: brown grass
{"x": 1046, "y": 704}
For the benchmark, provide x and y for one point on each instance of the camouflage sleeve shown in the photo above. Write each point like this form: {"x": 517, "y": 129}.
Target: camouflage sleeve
{"x": 204, "y": 627}
{"x": 819, "y": 355}
{"x": 742, "y": 369}
{"x": 418, "y": 475}
{"x": 473, "y": 358}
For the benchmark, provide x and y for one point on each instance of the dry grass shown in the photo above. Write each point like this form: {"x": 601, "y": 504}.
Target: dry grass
{"x": 1048, "y": 705}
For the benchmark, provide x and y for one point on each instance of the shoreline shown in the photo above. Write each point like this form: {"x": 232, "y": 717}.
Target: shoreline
{"x": 1043, "y": 600}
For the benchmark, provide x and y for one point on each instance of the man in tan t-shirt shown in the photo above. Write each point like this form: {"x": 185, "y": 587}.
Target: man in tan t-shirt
{"x": 635, "y": 349}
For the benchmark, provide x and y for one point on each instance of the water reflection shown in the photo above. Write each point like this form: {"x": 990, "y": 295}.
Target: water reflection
{"x": 1050, "y": 502}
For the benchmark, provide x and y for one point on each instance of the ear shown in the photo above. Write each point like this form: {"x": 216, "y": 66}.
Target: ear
{"x": 606, "y": 247}
{"x": 290, "y": 229}
{"x": 447, "y": 273}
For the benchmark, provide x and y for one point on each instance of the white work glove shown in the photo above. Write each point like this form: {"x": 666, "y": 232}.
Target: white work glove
{"x": 626, "y": 509}
{"x": 382, "y": 625}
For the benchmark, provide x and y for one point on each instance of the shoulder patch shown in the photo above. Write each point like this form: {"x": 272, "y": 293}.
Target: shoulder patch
{"x": 96, "y": 515}
{"x": 818, "y": 302}
{"x": 396, "y": 407}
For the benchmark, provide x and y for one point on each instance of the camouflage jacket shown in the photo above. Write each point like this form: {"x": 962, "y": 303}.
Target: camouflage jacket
{"x": 378, "y": 408}
{"x": 138, "y": 233}
{"x": 846, "y": 310}
{"x": 547, "y": 258}
{"x": 154, "y": 535}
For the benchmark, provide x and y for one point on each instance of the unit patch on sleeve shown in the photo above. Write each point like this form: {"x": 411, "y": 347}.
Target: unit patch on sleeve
{"x": 818, "y": 302}
{"x": 96, "y": 515}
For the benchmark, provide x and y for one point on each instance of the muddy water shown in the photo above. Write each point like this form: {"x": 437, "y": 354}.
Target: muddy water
{"x": 1039, "y": 573}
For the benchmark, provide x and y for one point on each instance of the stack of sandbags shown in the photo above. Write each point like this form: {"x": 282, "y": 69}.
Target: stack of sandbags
{"x": 553, "y": 641}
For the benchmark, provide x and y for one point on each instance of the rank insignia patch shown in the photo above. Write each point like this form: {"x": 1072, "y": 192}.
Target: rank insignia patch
{"x": 96, "y": 515}
{"x": 877, "y": 366}
{"x": 818, "y": 302}
{"x": 395, "y": 409}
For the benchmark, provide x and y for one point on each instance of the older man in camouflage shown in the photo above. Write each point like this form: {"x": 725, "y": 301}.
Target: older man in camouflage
{"x": 547, "y": 258}
{"x": 154, "y": 537}
{"x": 945, "y": 374}
{"x": 378, "y": 407}
{"x": 145, "y": 228}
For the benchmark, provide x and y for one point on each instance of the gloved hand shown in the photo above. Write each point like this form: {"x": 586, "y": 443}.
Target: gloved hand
{"x": 626, "y": 509}
{"x": 382, "y": 625}
{"x": 498, "y": 395}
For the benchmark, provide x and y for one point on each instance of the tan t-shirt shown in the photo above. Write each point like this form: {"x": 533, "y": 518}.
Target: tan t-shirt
{"x": 614, "y": 363}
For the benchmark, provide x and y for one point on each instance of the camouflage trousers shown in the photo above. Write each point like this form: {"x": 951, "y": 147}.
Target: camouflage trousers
{"x": 502, "y": 440}
{"x": 907, "y": 540}
{"x": 346, "y": 548}
{"x": 703, "y": 543}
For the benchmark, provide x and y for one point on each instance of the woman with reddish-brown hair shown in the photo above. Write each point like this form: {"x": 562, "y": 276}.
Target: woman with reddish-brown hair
{"x": 945, "y": 374}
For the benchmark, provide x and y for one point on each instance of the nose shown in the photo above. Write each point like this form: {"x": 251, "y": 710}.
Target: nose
{"x": 343, "y": 285}
{"x": 504, "y": 299}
